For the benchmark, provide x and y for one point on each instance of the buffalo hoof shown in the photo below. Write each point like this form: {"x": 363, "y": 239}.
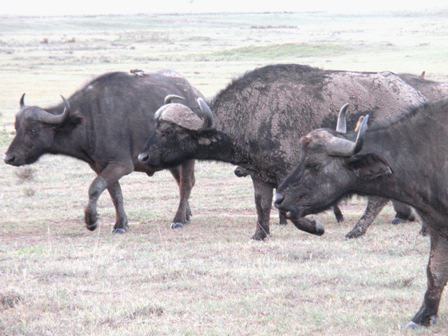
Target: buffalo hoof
{"x": 283, "y": 222}
{"x": 403, "y": 219}
{"x": 91, "y": 220}
{"x": 355, "y": 233}
{"x": 177, "y": 225}
{"x": 92, "y": 227}
{"x": 259, "y": 235}
{"x": 398, "y": 220}
{"x": 119, "y": 230}
{"x": 340, "y": 219}
{"x": 414, "y": 325}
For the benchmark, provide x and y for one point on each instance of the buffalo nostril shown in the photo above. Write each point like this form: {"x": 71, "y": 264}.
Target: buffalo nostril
{"x": 8, "y": 158}
{"x": 143, "y": 157}
{"x": 278, "y": 198}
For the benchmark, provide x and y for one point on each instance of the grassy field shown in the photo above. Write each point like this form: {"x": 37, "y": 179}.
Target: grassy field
{"x": 56, "y": 278}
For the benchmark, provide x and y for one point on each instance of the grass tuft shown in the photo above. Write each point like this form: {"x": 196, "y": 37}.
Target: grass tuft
{"x": 9, "y": 300}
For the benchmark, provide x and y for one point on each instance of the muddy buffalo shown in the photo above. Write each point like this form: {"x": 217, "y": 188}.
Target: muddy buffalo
{"x": 403, "y": 158}
{"x": 105, "y": 124}
{"x": 257, "y": 120}
{"x": 432, "y": 90}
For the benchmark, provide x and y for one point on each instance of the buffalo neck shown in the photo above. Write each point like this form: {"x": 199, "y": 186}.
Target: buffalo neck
{"x": 218, "y": 146}
{"x": 415, "y": 148}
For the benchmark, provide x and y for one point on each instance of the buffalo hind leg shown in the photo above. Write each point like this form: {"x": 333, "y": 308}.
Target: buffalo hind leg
{"x": 263, "y": 203}
{"x": 121, "y": 222}
{"x": 403, "y": 213}
{"x": 374, "y": 207}
{"x": 338, "y": 214}
{"x": 437, "y": 274}
{"x": 184, "y": 175}
{"x": 105, "y": 179}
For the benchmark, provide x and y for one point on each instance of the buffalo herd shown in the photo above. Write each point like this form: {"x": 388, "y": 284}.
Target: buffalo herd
{"x": 315, "y": 136}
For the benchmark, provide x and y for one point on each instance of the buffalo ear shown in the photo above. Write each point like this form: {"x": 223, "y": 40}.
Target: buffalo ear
{"x": 75, "y": 117}
{"x": 369, "y": 166}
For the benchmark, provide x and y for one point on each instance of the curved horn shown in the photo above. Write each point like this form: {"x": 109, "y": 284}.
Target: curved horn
{"x": 341, "y": 126}
{"x": 359, "y": 123}
{"x": 342, "y": 147}
{"x": 49, "y": 118}
{"x": 361, "y": 135}
{"x": 206, "y": 112}
{"x": 66, "y": 104}
{"x": 170, "y": 97}
{"x": 22, "y": 101}
{"x": 181, "y": 115}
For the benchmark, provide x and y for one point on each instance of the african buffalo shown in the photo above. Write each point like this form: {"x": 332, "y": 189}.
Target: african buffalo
{"x": 258, "y": 119}
{"x": 432, "y": 90}
{"x": 404, "y": 158}
{"x": 105, "y": 124}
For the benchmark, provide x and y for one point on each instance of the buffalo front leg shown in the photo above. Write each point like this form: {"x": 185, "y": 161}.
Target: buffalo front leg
{"x": 282, "y": 218}
{"x": 437, "y": 273}
{"x": 338, "y": 214}
{"x": 121, "y": 222}
{"x": 106, "y": 178}
{"x": 184, "y": 175}
{"x": 263, "y": 203}
{"x": 403, "y": 213}
{"x": 374, "y": 207}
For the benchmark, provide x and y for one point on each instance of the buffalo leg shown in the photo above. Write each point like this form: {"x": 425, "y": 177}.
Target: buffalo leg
{"x": 437, "y": 273}
{"x": 184, "y": 175}
{"x": 338, "y": 214}
{"x": 403, "y": 213}
{"x": 282, "y": 218}
{"x": 374, "y": 207}
{"x": 107, "y": 177}
{"x": 263, "y": 203}
{"x": 121, "y": 223}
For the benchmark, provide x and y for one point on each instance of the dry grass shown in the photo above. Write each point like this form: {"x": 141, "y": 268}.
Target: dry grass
{"x": 25, "y": 174}
{"x": 56, "y": 278}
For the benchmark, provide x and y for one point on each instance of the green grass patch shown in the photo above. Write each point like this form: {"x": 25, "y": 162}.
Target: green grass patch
{"x": 279, "y": 51}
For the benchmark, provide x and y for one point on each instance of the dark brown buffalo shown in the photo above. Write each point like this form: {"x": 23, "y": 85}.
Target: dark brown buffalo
{"x": 403, "y": 158}
{"x": 258, "y": 119}
{"x": 105, "y": 124}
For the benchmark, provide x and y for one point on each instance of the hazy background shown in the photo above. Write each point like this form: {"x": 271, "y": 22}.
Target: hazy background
{"x": 86, "y": 7}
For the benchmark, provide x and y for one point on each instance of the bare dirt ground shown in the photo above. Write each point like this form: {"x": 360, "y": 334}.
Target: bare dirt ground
{"x": 57, "y": 278}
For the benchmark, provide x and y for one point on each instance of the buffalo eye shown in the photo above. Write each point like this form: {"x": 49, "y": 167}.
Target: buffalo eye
{"x": 34, "y": 132}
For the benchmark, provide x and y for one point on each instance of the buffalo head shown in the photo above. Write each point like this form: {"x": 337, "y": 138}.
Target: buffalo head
{"x": 35, "y": 131}
{"x": 179, "y": 132}
{"x": 329, "y": 168}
